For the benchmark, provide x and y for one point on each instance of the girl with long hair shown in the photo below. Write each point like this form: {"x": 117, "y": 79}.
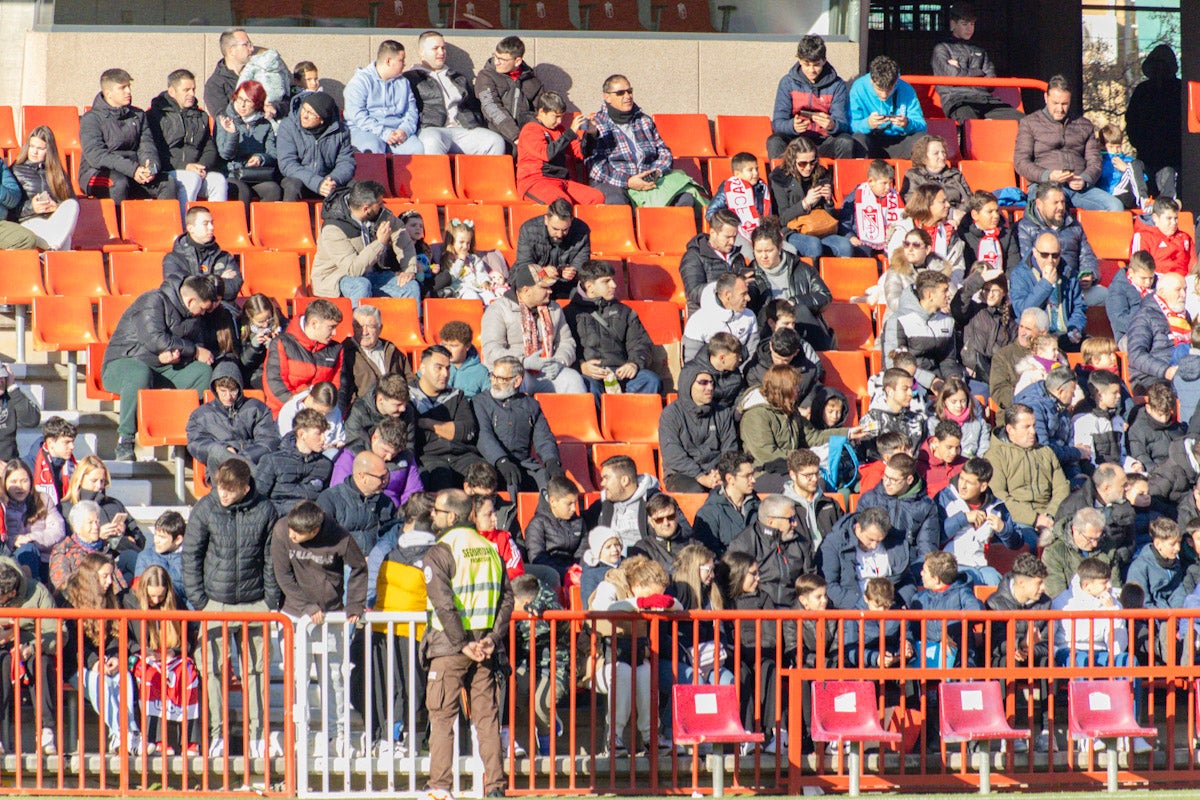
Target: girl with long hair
{"x": 737, "y": 574}
{"x": 259, "y": 324}
{"x": 929, "y": 210}
{"x": 694, "y": 585}
{"x": 462, "y": 272}
{"x": 799, "y": 186}
{"x": 772, "y": 429}
{"x": 954, "y": 402}
{"x": 48, "y": 204}
{"x": 32, "y": 526}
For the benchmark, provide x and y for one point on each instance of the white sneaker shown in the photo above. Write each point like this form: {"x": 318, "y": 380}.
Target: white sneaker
{"x": 48, "y": 742}
{"x": 518, "y": 750}
{"x": 216, "y": 748}
{"x": 747, "y": 748}
{"x": 1098, "y": 745}
{"x": 1142, "y": 745}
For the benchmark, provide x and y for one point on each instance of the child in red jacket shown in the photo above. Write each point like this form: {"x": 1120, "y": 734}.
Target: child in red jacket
{"x": 1171, "y": 248}
{"x": 483, "y": 514}
{"x": 547, "y": 154}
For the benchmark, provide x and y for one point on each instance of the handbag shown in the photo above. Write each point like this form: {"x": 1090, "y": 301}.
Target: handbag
{"x": 818, "y": 222}
{"x": 257, "y": 174}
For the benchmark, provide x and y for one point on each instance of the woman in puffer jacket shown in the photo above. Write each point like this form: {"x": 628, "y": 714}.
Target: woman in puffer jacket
{"x": 246, "y": 140}
{"x": 48, "y": 205}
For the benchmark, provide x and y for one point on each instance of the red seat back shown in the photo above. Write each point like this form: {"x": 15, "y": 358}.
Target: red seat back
{"x": 707, "y": 713}
{"x": 974, "y": 710}
{"x": 847, "y": 711}
{"x": 1100, "y": 709}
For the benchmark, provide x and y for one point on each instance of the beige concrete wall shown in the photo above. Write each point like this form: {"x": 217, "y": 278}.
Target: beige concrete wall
{"x": 711, "y": 75}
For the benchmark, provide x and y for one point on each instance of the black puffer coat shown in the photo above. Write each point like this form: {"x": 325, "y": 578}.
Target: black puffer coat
{"x": 608, "y": 332}
{"x": 288, "y": 476}
{"x": 181, "y": 134}
{"x": 701, "y": 265}
{"x": 515, "y": 429}
{"x": 227, "y": 552}
{"x": 367, "y": 518}
{"x": 187, "y": 257}
{"x": 116, "y": 139}
{"x": 158, "y": 321}
{"x": 246, "y": 426}
{"x": 555, "y": 542}
{"x": 507, "y": 103}
{"x": 779, "y": 562}
{"x": 807, "y": 292}
{"x": 431, "y": 101}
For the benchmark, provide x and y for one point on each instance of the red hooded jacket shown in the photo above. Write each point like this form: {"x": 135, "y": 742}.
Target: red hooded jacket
{"x": 295, "y": 362}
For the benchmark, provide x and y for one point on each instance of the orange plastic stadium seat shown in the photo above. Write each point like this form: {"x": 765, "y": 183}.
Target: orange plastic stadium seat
{"x": 572, "y": 417}
{"x": 401, "y": 325}
{"x": 63, "y": 323}
{"x": 137, "y": 272}
{"x": 990, "y": 139}
{"x": 687, "y": 135}
{"x": 661, "y": 320}
{"x": 111, "y": 308}
{"x": 689, "y": 503}
{"x": 9, "y": 143}
{"x": 848, "y": 278}
{"x": 1108, "y": 232}
{"x": 97, "y": 227}
{"x": 486, "y": 179}
{"x": 229, "y": 225}
{"x": 948, "y": 130}
{"x": 491, "y": 231}
{"x": 519, "y": 215}
{"x": 1097, "y": 322}
{"x": 63, "y": 120}
{"x": 846, "y": 370}
{"x": 162, "y": 416}
{"x": 345, "y": 328}
{"x": 423, "y": 179}
{"x": 630, "y": 417}
{"x": 848, "y": 173}
{"x": 574, "y": 457}
{"x": 428, "y": 212}
{"x": 988, "y": 176}
{"x": 440, "y": 310}
{"x": 612, "y": 230}
{"x": 851, "y": 322}
{"x": 92, "y": 385}
{"x": 273, "y": 273}
{"x": 720, "y": 169}
{"x": 642, "y": 455}
{"x": 22, "y": 271}
{"x": 665, "y": 230}
{"x": 151, "y": 224}
{"x": 372, "y": 167}
{"x": 77, "y": 273}
{"x": 283, "y": 226}
{"x": 743, "y": 134}
{"x": 656, "y": 278}
{"x": 611, "y": 15}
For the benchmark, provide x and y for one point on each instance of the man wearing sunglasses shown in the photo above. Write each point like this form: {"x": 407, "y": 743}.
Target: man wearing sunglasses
{"x": 1040, "y": 281}
{"x": 783, "y": 551}
{"x": 1050, "y": 213}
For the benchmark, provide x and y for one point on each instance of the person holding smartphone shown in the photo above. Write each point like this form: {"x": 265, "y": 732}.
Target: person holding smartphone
{"x": 885, "y": 114}
{"x": 118, "y": 529}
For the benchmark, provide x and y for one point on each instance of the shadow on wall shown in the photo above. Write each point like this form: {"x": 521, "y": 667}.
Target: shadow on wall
{"x": 555, "y": 78}
{"x": 335, "y": 89}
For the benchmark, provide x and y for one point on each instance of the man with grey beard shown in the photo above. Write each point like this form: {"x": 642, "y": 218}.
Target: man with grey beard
{"x": 511, "y": 427}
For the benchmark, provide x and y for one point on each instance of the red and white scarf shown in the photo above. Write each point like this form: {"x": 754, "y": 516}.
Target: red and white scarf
{"x": 1179, "y": 324}
{"x": 989, "y": 250}
{"x": 940, "y": 233}
{"x": 538, "y": 331}
{"x": 43, "y": 473}
{"x": 739, "y": 198}
{"x": 874, "y": 215}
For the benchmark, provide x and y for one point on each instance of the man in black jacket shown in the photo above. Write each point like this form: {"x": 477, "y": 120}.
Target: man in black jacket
{"x": 693, "y": 433}
{"x": 710, "y": 255}
{"x": 445, "y": 431}
{"x": 166, "y": 339}
{"x": 236, "y": 50}
{"x": 507, "y": 89}
{"x": 783, "y": 553}
{"x": 731, "y": 506}
{"x": 608, "y": 334}
{"x": 665, "y": 535}
{"x": 449, "y": 118}
{"x": 560, "y": 240}
{"x": 185, "y": 146}
{"x": 957, "y": 57}
{"x": 230, "y": 425}
{"x": 298, "y": 470}
{"x": 119, "y": 158}
{"x": 359, "y": 504}
{"x": 513, "y": 433}
{"x": 1105, "y": 492}
{"x": 196, "y": 252}
{"x": 388, "y": 398}
{"x": 227, "y": 567}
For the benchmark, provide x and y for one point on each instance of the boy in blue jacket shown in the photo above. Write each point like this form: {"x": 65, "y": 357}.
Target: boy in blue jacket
{"x": 897, "y": 647}
{"x": 946, "y": 589}
{"x": 885, "y": 115}
{"x": 1157, "y": 567}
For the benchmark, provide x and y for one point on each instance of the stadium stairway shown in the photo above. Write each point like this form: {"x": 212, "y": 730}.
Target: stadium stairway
{"x": 147, "y": 486}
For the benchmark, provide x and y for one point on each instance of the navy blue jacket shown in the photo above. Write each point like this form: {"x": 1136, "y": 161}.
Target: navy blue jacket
{"x": 838, "y": 563}
{"x": 1053, "y": 422}
{"x": 913, "y": 512}
{"x": 1027, "y": 289}
{"x": 1121, "y": 304}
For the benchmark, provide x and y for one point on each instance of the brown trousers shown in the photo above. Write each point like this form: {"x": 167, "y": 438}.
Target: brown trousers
{"x": 447, "y": 677}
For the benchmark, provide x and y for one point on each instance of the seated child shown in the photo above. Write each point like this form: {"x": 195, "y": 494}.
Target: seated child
{"x": 870, "y": 211}
{"x": 414, "y": 225}
{"x": 745, "y": 195}
{"x": 1172, "y": 249}
{"x": 954, "y": 403}
{"x": 1101, "y": 426}
{"x": 1127, "y": 290}
{"x": 1100, "y": 641}
{"x": 1121, "y": 175}
{"x": 812, "y": 594}
{"x": 946, "y": 589}
{"x": 1043, "y": 357}
{"x": 550, "y": 680}
{"x": 987, "y": 235}
{"x": 871, "y": 648}
{"x": 554, "y": 537}
{"x": 323, "y": 398}
{"x": 483, "y": 515}
{"x": 1137, "y": 494}
{"x": 900, "y": 359}
{"x": 887, "y": 445}
{"x": 824, "y": 408}
{"x": 306, "y": 79}
{"x": 972, "y": 517}
{"x": 940, "y": 458}
{"x": 604, "y": 554}
{"x": 1186, "y": 356}
{"x": 462, "y": 272}
{"x": 894, "y": 411}
{"x": 165, "y": 549}
{"x": 1155, "y": 426}
{"x": 1157, "y": 567}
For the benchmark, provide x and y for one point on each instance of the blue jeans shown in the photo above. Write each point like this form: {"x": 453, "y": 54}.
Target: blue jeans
{"x": 1030, "y": 535}
{"x": 812, "y": 247}
{"x": 645, "y": 382}
{"x": 380, "y": 283}
{"x": 1091, "y": 199}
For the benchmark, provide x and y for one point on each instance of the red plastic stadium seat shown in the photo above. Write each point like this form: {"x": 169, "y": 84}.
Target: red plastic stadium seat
{"x": 163, "y": 414}
{"x": 540, "y": 15}
{"x": 683, "y": 16}
{"x": 852, "y": 324}
{"x": 990, "y": 139}
{"x": 63, "y": 120}
{"x": 1108, "y": 232}
{"x": 423, "y": 179}
{"x": 687, "y": 135}
{"x": 948, "y": 130}
{"x": 486, "y": 179}
{"x": 440, "y": 310}
{"x": 630, "y": 417}
{"x": 610, "y": 15}
{"x": 273, "y": 273}
{"x": 574, "y": 457}
{"x": 665, "y": 230}
{"x": 137, "y": 272}
{"x": 152, "y": 224}
{"x": 661, "y": 320}
{"x": 988, "y": 176}
{"x": 111, "y": 309}
{"x": 519, "y": 215}
{"x": 848, "y": 278}
{"x": 847, "y": 711}
{"x": 1100, "y": 709}
{"x": 612, "y": 233}
{"x": 63, "y": 323}
{"x": 656, "y": 278}
{"x": 704, "y": 713}
{"x": 9, "y": 143}
{"x": 77, "y": 273}
{"x": 97, "y": 227}
{"x": 401, "y": 14}
{"x": 720, "y": 169}
{"x": 372, "y": 167}
{"x": 92, "y": 386}
{"x": 689, "y": 503}
{"x": 22, "y": 271}
{"x": 642, "y": 455}
{"x": 283, "y": 226}
{"x": 738, "y": 134}
{"x": 973, "y": 711}
{"x": 846, "y": 371}
{"x": 401, "y": 325}
{"x": 572, "y": 417}
{"x": 491, "y": 231}
{"x": 229, "y": 225}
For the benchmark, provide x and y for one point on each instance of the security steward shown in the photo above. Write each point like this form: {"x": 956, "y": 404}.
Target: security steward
{"x": 470, "y": 603}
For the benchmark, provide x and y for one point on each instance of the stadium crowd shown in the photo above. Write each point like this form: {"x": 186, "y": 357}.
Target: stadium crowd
{"x": 1001, "y": 445}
